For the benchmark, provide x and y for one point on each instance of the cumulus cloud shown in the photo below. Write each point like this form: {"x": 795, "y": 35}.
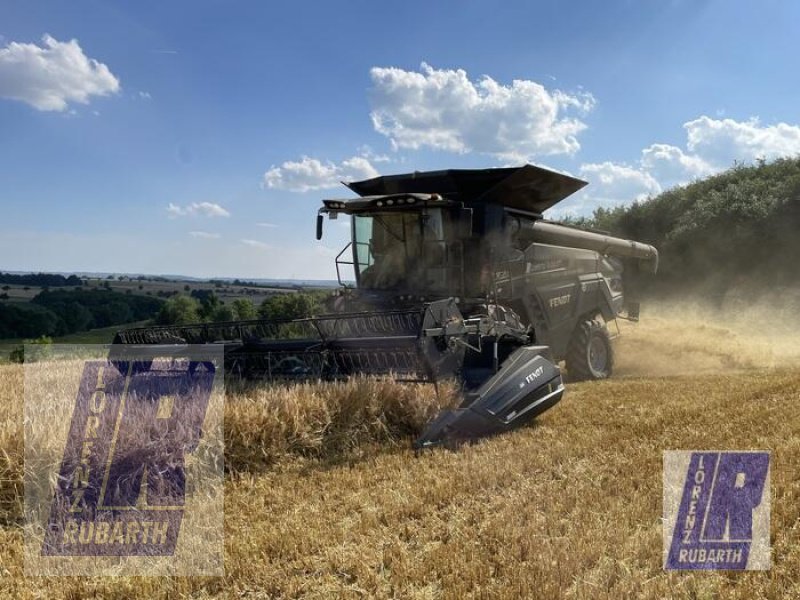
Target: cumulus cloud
{"x": 712, "y": 145}
{"x": 610, "y": 184}
{"x": 50, "y": 76}
{"x": 204, "y": 235}
{"x": 256, "y": 244}
{"x": 367, "y": 152}
{"x": 444, "y": 110}
{"x": 672, "y": 166}
{"x": 202, "y": 209}
{"x": 726, "y": 140}
{"x": 312, "y": 174}
{"x": 615, "y": 182}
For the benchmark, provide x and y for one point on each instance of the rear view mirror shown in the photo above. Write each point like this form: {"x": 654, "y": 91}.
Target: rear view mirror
{"x": 320, "y": 219}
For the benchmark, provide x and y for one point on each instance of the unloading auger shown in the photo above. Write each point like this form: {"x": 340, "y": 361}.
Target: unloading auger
{"x": 457, "y": 277}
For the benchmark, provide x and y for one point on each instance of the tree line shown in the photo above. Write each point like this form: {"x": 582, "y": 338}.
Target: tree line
{"x": 60, "y": 312}
{"x": 205, "y": 306}
{"x": 40, "y": 280}
{"x": 55, "y": 313}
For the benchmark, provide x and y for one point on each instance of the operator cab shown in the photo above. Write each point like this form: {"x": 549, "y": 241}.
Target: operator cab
{"x": 408, "y": 242}
{"x": 405, "y": 244}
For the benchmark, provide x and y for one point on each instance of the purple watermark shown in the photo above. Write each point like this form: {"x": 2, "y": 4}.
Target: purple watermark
{"x": 716, "y": 508}
{"x": 141, "y": 440}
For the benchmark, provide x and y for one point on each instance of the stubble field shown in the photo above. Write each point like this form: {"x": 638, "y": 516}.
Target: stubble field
{"x": 325, "y": 499}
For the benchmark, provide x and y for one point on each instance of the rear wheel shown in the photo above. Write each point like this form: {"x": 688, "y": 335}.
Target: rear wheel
{"x": 590, "y": 355}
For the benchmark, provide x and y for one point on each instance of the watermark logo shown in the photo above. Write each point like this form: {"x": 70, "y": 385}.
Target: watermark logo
{"x": 716, "y": 508}
{"x": 130, "y": 467}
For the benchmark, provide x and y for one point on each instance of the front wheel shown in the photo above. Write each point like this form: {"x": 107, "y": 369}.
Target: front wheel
{"x": 590, "y": 355}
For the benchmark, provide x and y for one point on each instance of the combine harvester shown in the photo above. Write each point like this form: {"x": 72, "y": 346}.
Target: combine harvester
{"x": 457, "y": 276}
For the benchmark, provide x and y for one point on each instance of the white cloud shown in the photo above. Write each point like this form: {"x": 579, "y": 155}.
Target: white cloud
{"x": 145, "y": 96}
{"x": 312, "y": 174}
{"x": 442, "y": 109}
{"x": 637, "y": 182}
{"x": 672, "y": 166}
{"x": 203, "y": 209}
{"x": 712, "y": 145}
{"x": 50, "y": 76}
{"x": 613, "y": 184}
{"x": 722, "y": 141}
{"x": 270, "y": 225}
{"x": 357, "y": 167}
{"x": 204, "y": 235}
{"x": 256, "y": 244}
{"x": 367, "y": 152}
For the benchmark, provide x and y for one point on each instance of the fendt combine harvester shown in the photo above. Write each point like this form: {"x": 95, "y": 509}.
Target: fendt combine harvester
{"x": 457, "y": 276}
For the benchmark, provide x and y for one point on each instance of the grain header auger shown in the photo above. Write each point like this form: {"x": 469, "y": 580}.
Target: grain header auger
{"x": 457, "y": 275}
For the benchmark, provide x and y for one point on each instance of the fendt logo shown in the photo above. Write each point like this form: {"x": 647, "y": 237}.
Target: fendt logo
{"x": 122, "y": 480}
{"x": 723, "y": 512}
{"x": 557, "y": 301}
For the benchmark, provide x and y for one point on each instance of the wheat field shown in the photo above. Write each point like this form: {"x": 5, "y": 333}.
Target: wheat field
{"x": 325, "y": 499}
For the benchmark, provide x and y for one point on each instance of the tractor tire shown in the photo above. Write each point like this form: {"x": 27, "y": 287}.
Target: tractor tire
{"x": 590, "y": 354}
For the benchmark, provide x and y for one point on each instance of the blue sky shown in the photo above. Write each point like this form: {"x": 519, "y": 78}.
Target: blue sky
{"x": 198, "y": 137}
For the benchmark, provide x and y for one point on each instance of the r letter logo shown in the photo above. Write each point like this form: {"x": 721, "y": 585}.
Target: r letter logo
{"x": 716, "y": 508}
{"x": 137, "y": 484}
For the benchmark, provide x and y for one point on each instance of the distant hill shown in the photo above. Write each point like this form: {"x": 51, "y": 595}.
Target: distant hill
{"x": 315, "y": 283}
{"x": 740, "y": 228}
